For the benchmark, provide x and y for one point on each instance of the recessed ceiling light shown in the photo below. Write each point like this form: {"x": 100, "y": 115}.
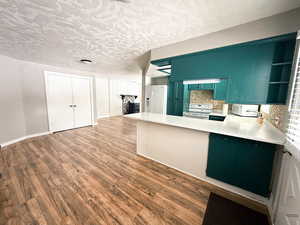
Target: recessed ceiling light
{"x": 86, "y": 61}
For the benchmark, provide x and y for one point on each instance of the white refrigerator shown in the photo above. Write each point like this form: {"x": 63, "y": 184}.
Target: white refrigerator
{"x": 156, "y": 99}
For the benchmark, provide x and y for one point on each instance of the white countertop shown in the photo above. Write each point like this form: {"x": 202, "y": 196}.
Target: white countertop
{"x": 234, "y": 126}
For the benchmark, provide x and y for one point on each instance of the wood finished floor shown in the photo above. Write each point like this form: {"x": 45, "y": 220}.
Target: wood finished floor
{"x": 93, "y": 176}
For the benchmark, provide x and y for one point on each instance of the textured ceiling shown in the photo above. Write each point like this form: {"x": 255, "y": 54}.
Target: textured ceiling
{"x": 114, "y": 34}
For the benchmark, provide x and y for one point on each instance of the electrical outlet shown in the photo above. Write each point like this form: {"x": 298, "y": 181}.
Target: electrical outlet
{"x": 277, "y": 121}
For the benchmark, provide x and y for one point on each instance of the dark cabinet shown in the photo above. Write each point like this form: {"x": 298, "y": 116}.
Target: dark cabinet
{"x": 216, "y": 118}
{"x": 175, "y": 103}
{"x": 240, "y": 162}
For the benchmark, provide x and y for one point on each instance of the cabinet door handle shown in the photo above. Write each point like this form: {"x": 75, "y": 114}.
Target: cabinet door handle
{"x": 71, "y": 106}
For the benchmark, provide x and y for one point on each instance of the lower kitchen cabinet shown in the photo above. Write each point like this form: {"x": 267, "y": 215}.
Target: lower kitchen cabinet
{"x": 240, "y": 162}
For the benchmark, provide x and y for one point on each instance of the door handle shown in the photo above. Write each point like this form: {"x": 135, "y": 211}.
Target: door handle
{"x": 71, "y": 106}
{"x": 75, "y": 106}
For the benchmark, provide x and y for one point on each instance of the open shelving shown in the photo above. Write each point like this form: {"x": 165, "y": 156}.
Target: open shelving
{"x": 280, "y": 72}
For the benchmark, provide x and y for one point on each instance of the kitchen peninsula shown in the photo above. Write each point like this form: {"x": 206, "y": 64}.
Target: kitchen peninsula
{"x": 236, "y": 154}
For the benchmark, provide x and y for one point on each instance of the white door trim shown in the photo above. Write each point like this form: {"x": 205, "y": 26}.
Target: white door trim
{"x": 90, "y": 78}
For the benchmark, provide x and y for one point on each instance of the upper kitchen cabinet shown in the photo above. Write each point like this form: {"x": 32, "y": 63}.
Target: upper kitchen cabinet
{"x": 255, "y": 72}
{"x": 161, "y": 62}
{"x": 220, "y": 90}
{"x": 280, "y": 72}
{"x": 267, "y": 79}
{"x": 201, "y": 87}
{"x": 250, "y": 72}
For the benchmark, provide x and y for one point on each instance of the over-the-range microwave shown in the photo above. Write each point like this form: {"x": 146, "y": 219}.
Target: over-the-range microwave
{"x": 245, "y": 110}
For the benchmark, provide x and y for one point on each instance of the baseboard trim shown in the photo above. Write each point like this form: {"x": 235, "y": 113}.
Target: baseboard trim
{"x": 23, "y": 138}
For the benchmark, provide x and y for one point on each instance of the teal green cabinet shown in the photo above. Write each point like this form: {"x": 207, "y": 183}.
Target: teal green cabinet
{"x": 186, "y": 98}
{"x": 267, "y": 83}
{"x": 220, "y": 90}
{"x": 249, "y": 82}
{"x": 171, "y": 98}
{"x": 175, "y": 98}
{"x": 280, "y": 72}
{"x": 201, "y": 87}
{"x": 240, "y": 162}
{"x": 193, "y": 87}
{"x": 257, "y": 72}
{"x": 206, "y": 86}
{"x": 161, "y": 62}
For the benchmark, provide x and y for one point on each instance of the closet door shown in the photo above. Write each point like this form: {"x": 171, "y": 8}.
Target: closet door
{"x": 60, "y": 100}
{"x": 82, "y": 101}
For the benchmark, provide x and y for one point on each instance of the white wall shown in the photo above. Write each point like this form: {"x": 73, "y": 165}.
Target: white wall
{"x": 34, "y": 94}
{"x": 268, "y": 27}
{"x": 115, "y": 99}
{"x": 109, "y": 102}
{"x": 102, "y": 97}
{"x": 34, "y": 98}
{"x": 12, "y": 121}
{"x": 23, "y": 106}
